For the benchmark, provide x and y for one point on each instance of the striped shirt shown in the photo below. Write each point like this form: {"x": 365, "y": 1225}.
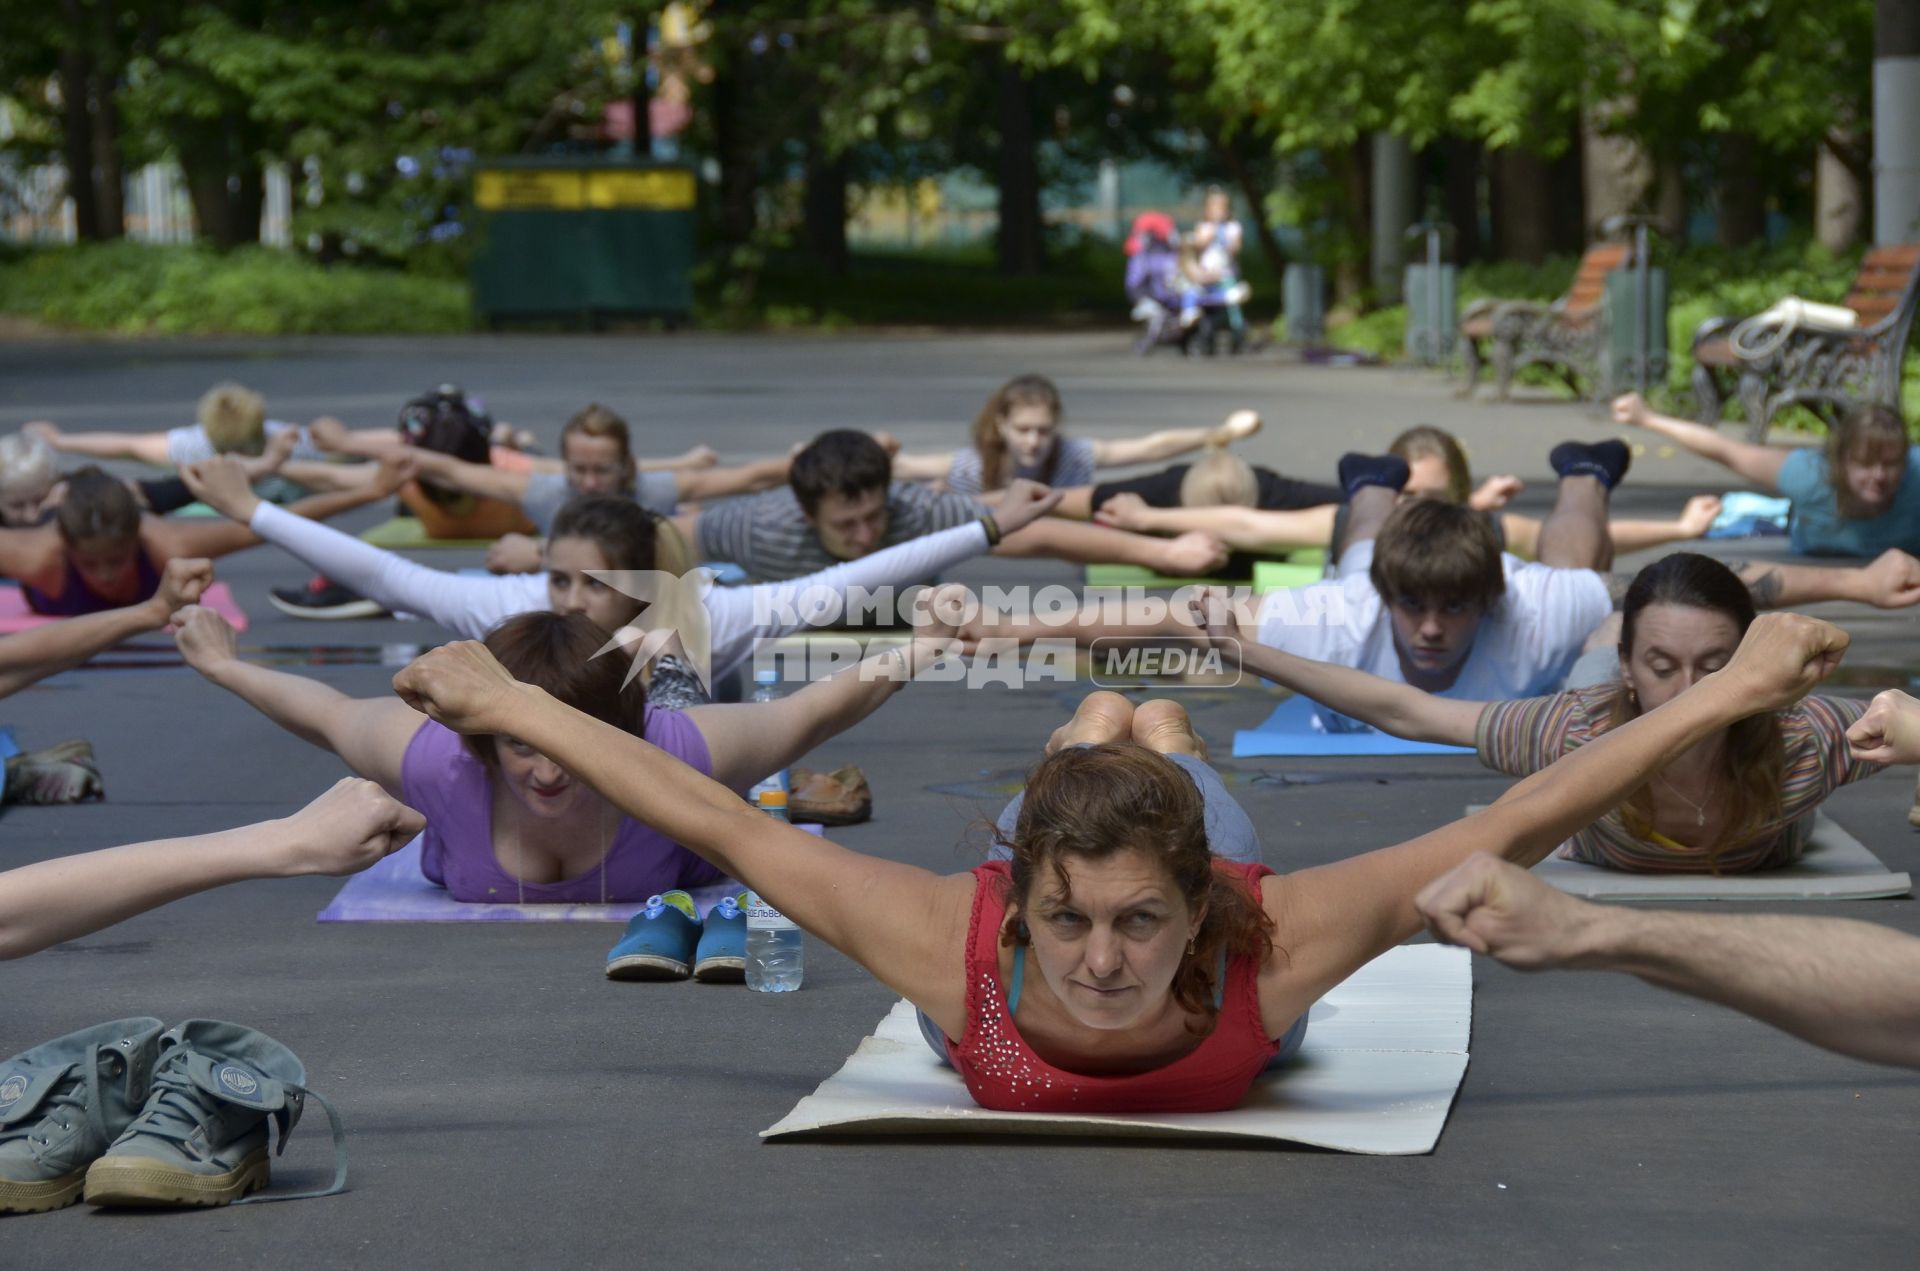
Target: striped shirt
{"x": 1521, "y": 737}
{"x": 1073, "y": 465}
{"x": 769, "y": 536}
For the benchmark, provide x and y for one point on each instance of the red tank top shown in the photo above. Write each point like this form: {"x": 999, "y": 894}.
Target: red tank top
{"x": 1003, "y": 1074}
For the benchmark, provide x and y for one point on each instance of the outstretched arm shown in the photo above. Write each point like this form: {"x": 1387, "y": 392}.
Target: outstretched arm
{"x": 1170, "y": 443}
{"x": 750, "y": 740}
{"x": 1337, "y": 917}
{"x": 1892, "y": 581}
{"x": 1390, "y": 706}
{"x": 370, "y": 736}
{"x": 342, "y": 832}
{"x": 904, "y": 924}
{"x": 221, "y": 484}
{"x": 719, "y": 483}
{"x": 147, "y": 447}
{"x": 1849, "y": 986}
{"x": 1190, "y": 555}
{"x": 1758, "y": 464}
{"x": 38, "y": 652}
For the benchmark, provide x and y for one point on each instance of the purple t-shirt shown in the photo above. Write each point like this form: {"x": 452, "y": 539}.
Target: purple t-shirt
{"x": 440, "y": 779}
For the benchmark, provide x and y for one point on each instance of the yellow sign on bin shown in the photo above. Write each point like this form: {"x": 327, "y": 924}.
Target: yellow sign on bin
{"x": 669, "y": 190}
{"x": 666, "y": 190}
{"x": 498, "y": 189}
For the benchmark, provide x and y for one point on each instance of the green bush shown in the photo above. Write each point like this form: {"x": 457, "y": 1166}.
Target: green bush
{"x": 139, "y": 287}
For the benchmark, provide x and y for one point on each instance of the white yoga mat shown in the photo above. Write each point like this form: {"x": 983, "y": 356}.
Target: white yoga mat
{"x": 1837, "y": 866}
{"x": 1383, "y": 1058}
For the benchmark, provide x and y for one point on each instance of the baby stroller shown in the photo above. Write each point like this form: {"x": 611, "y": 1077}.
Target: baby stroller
{"x": 1154, "y": 283}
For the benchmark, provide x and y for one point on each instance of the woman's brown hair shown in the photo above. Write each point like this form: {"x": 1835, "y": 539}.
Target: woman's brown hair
{"x": 1756, "y": 755}
{"x": 595, "y": 420}
{"x": 1868, "y": 430}
{"x": 97, "y": 506}
{"x": 1423, "y": 441}
{"x": 1093, "y": 802}
{"x": 996, "y": 466}
{"x": 562, "y": 653}
{"x": 628, "y": 535}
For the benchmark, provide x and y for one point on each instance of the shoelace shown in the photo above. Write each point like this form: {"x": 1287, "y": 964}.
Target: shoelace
{"x": 176, "y": 1108}
{"x": 81, "y": 1092}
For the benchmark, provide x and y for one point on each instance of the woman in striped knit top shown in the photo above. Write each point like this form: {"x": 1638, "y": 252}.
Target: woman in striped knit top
{"x": 1742, "y": 799}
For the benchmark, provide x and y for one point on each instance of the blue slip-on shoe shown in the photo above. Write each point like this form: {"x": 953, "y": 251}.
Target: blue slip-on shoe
{"x": 722, "y": 955}
{"x": 658, "y": 944}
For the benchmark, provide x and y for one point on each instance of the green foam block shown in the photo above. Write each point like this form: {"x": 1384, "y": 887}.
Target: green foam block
{"x": 406, "y": 531}
{"x": 1298, "y": 569}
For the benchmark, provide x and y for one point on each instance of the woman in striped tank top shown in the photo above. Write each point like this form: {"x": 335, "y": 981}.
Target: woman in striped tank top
{"x": 1742, "y": 799}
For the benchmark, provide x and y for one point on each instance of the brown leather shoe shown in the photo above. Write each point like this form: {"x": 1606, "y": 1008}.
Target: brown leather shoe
{"x": 840, "y": 797}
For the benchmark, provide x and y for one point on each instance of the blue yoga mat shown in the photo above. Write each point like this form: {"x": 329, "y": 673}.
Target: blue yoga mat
{"x": 396, "y": 891}
{"x": 1289, "y": 731}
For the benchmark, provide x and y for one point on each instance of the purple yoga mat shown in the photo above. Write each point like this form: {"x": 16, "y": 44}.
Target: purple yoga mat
{"x": 396, "y": 891}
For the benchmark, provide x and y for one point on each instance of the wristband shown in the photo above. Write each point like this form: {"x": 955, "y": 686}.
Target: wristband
{"x": 992, "y": 527}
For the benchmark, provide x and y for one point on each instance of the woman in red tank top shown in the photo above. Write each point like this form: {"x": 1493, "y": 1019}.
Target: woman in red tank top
{"x": 1122, "y": 918}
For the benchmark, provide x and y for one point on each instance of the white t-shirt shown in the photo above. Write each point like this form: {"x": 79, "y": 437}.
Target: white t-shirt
{"x": 190, "y": 444}
{"x": 1523, "y": 648}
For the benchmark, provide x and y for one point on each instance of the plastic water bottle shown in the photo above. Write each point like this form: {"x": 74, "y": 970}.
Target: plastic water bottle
{"x": 766, "y": 688}
{"x": 776, "y": 956}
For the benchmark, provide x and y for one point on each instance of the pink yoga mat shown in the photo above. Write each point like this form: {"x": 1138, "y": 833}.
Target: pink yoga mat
{"x": 15, "y": 616}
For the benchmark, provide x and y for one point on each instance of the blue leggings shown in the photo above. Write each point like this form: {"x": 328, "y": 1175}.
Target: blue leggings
{"x": 1230, "y": 835}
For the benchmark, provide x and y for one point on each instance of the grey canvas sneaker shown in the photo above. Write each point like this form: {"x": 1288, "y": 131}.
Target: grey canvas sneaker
{"x": 62, "y": 1103}
{"x": 201, "y": 1139}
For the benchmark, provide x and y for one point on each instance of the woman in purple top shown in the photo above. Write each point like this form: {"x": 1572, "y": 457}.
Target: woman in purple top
{"x": 505, "y": 823}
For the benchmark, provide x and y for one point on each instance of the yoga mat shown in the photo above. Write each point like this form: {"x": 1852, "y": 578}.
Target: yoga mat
{"x": 1837, "y": 866}
{"x": 15, "y": 616}
{"x": 197, "y": 510}
{"x": 396, "y": 891}
{"x": 1298, "y": 569}
{"x": 407, "y": 532}
{"x": 1384, "y": 1054}
{"x": 1289, "y": 731}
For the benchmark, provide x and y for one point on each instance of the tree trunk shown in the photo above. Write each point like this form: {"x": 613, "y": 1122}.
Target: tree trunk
{"x": 733, "y": 144}
{"x": 76, "y": 119}
{"x": 225, "y": 182}
{"x": 1568, "y": 195}
{"x": 1252, "y": 191}
{"x": 247, "y": 197}
{"x": 1896, "y": 121}
{"x": 110, "y": 182}
{"x": 1617, "y": 172}
{"x": 1670, "y": 201}
{"x": 826, "y": 209}
{"x": 1518, "y": 183}
{"x": 1839, "y": 205}
{"x": 1742, "y": 203}
{"x": 1460, "y": 193}
{"x": 1021, "y": 241}
{"x": 1350, "y": 167}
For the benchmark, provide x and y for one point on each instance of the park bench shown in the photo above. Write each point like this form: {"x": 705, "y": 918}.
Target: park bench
{"x": 1827, "y": 369}
{"x": 1567, "y": 334}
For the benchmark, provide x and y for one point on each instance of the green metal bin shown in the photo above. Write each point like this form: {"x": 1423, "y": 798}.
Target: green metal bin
{"x": 582, "y": 236}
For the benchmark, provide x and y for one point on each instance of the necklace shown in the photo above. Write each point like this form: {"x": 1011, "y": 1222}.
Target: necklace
{"x": 1699, "y": 809}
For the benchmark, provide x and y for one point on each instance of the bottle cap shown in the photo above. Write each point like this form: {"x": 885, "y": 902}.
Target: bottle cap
{"x": 773, "y": 798}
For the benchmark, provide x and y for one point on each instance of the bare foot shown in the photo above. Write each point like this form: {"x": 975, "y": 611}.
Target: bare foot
{"x": 1162, "y": 725}
{"x": 1101, "y": 717}
{"x": 1239, "y": 426}
{"x": 278, "y": 450}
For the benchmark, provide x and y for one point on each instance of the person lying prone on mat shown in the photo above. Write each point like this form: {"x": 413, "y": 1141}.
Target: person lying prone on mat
{"x": 1858, "y": 495}
{"x": 1017, "y": 434}
{"x": 1436, "y": 468}
{"x": 596, "y": 457}
{"x": 350, "y": 827}
{"x": 1852, "y": 987}
{"x": 1743, "y": 799}
{"x": 101, "y": 552}
{"x": 507, "y": 822}
{"x": 598, "y": 533}
{"x": 1124, "y": 910}
{"x": 32, "y": 486}
{"x": 67, "y": 772}
{"x": 1433, "y": 602}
